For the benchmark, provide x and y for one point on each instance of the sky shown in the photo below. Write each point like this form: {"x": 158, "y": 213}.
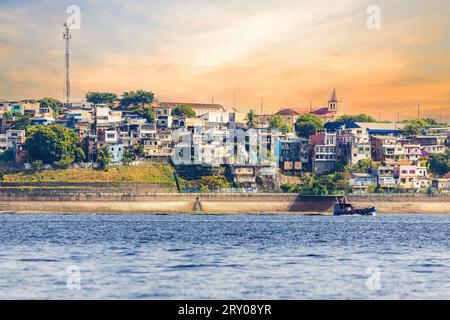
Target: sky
{"x": 288, "y": 52}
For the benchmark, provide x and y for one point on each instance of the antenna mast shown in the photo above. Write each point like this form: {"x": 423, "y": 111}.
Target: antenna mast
{"x": 67, "y": 36}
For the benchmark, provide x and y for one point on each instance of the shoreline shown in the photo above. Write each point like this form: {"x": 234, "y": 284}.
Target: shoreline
{"x": 215, "y": 204}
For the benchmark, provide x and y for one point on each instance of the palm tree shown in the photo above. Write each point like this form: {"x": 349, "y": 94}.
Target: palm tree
{"x": 104, "y": 158}
{"x": 251, "y": 119}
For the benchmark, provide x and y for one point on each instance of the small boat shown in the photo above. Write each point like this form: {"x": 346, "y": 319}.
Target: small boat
{"x": 343, "y": 208}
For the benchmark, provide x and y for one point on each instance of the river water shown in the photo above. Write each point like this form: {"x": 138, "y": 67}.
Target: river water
{"x": 224, "y": 257}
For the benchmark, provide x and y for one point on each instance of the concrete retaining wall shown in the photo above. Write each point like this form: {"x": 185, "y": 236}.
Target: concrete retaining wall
{"x": 133, "y": 202}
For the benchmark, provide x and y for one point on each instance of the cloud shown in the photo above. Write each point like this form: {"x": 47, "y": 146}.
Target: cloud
{"x": 286, "y": 50}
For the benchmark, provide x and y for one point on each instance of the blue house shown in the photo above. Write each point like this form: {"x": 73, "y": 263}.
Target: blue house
{"x": 116, "y": 152}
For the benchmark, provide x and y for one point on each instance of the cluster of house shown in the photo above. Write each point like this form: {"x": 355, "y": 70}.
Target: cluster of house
{"x": 399, "y": 161}
{"x": 217, "y": 140}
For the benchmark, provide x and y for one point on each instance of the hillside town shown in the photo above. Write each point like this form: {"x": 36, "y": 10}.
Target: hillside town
{"x": 313, "y": 151}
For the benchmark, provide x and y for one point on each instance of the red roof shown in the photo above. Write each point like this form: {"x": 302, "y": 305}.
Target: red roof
{"x": 297, "y": 112}
{"x": 322, "y": 111}
{"x": 288, "y": 112}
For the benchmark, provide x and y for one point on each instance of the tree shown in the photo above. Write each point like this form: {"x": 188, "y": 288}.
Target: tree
{"x": 435, "y": 123}
{"x": 307, "y": 125}
{"x": 415, "y": 126}
{"x": 51, "y": 103}
{"x": 104, "y": 158}
{"x": 276, "y": 122}
{"x": 7, "y": 156}
{"x": 251, "y": 119}
{"x": 357, "y": 118}
{"x": 138, "y": 98}
{"x": 7, "y": 115}
{"x": 52, "y": 144}
{"x": 440, "y": 163}
{"x": 101, "y": 97}
{"x": 127, "y": 158}
{"x": 22, "y": 122}
{"x": 79, "y": 155}
{"x": 363, "y": 166}
{"x": 183, "y": 111}
{"x": 148, "y": 113}
{"x": 138, "y": 151}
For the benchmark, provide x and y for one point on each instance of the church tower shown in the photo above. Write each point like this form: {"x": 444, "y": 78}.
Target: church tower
{"x": 333, "y": 102}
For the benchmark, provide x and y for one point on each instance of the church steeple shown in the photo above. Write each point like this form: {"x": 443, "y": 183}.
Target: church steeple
{"x": 333, "y": 102}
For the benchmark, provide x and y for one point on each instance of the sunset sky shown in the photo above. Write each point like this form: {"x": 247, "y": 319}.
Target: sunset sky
{"x": 287, "y": 51}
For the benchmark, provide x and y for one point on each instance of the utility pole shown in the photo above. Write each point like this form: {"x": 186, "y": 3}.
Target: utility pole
{"x": 262, "y": 105}
{"x": 418, "y": 110}
{"x": 67, "y": 36}
{"x": 397, "y": 119}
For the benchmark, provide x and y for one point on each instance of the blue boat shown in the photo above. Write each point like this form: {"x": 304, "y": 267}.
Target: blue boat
{"x": 343, "y": 208}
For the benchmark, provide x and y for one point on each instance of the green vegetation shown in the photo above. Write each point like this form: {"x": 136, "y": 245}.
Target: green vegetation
{"x": 139, "y": 98}
{"x": 308, "y": 125}
{"x": 148, "y": 113}
{"x": 276, "y": 122}
{"x": 22, "y": 122}
{"x": 363, "y": 166}
{"x": 51, "y": 103}
{"x": 250, "y": 118}
{"x": 101, "y": 97}
{"x": 138, "y": 151}
{"x": 440, "y": 163}
{"x": 36, "y": 165}
{"x": 7, "y": 156}
{"x": 334, "y": 183}
{"x": 206, "y": 184}
{"x": 150, "y": 173}
{"x": 54, "y": 144}
{"x": 127, "y": 158}
{"x": 415, "y": 126}
{"x": 183, "y": 111}
{"x": 104, "y": 158}
{"x": 357, "y": 118}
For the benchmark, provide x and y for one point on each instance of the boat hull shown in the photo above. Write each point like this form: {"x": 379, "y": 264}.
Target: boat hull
{"x": 358, "y": 212}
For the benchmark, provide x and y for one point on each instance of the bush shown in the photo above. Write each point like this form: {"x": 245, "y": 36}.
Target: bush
{"x": 64, "y": 164}
{"x": 7, "y": 156}
{"x": 37, "y": 165}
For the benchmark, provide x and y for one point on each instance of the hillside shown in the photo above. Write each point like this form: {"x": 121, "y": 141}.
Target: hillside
{"x": 146, "y": 173}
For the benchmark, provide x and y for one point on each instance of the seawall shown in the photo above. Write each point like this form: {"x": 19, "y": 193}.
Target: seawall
{"x": 70, "y": 201}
